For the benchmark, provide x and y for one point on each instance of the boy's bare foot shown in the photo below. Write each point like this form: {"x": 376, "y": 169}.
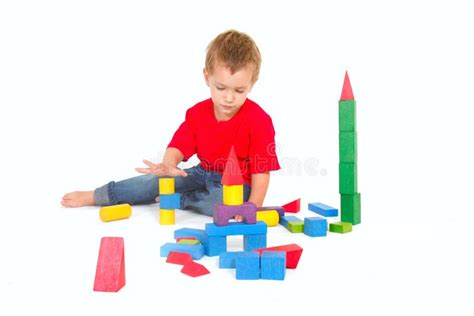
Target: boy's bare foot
{"x": 78, "y": 199}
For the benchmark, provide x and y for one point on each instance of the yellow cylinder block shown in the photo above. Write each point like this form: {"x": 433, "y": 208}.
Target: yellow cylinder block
{"x": 166, "y": 185}
{"x": 167, "y": 217}
{"x": 115, "y": 212}
{"x": 233, "y": 194}
{"x": 271, "y": 218}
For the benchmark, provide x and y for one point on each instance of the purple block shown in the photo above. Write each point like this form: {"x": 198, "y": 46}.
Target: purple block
{"x": 279, "y": 209}
{"x": 223, "y": 213}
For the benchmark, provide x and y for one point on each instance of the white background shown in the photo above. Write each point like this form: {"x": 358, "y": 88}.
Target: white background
{"x": 89, "y": 88}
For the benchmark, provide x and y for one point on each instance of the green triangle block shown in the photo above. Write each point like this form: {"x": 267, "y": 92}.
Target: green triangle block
{"x": 347, "y": 178}
{"x": 347, "y": 146}
{"x": 340, "y": 227}
{"x": 296, "y": 227}
{"x": 350, "y": 208}
{"x": 347, "y": 116}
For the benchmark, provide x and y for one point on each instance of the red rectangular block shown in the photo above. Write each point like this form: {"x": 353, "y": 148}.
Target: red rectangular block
{"x": 110, "y": 272}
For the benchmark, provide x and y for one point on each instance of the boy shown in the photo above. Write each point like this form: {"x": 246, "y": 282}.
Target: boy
{"x": 210, "y": 129}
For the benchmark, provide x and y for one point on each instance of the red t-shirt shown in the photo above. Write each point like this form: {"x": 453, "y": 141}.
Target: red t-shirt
{"x": 250, "y": 131}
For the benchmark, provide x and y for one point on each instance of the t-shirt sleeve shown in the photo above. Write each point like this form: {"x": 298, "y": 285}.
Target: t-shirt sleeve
{"x": 262, "y": 153}
{"x": 184, "y": 138}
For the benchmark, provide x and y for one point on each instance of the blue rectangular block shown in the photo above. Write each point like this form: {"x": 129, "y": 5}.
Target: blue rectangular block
{"x": 247, "y": 265}
{"x": 199, "y": 234}
{"x": 315, "y": 226}
{"x": 227, "y": 259}
{"x": 170, "y": 201}
{"x": 284, "y": 220}
{"x": 273, "y": 265}
{"x": 196, "y": 251}
{"x": 216, "y": 245}
{"x": 236, "y": 229}
{"x": 323, "y": 209}
{"x": 252, "y": 242}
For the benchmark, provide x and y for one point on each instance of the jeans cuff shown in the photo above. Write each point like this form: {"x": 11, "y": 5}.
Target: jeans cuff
{"x": 102, "y": 195}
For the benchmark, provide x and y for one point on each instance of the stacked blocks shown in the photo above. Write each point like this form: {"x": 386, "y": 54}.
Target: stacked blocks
{"x": 196, "y": 251}
{"x": 169, "y": 201}
{"x": 199, "y": 234}
{"x": 315, "y": 226}
{"x": 115, "y": 212}
{"x": 224, "y": 212}
{"x": 110, "y": 271}
{"x": 350, "y": 198}
{"x": 323, "y": 209}
{"x": 292, "y": 223}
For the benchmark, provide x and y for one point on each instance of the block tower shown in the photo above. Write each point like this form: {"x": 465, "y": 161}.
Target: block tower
{"x": 350, "y": 198}
{"x": 169, "y": 201}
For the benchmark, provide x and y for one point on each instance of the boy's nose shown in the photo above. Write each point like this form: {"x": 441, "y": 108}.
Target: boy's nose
{"x": 229, "y": 97}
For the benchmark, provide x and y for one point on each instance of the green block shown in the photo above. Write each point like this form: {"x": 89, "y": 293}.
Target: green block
{"x": 340, "y": 227}
{"x": 347, "y": 116}
{"x": 350, "y": 208}
{"x": 189, "y": 242}
{"x": 347, "y": 146}
{"x": 347, "y": 178}
{"x": 296, "y": 227}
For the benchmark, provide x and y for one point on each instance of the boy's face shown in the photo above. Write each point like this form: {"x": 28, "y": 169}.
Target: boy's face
{"x": 228, "y": 91}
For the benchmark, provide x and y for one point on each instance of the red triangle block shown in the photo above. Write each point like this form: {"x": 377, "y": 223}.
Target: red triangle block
{"x": 293, "y": 253}
{"x": 179, "y": 258}
{"x": 347, "y": 89}
{"x": 292, "y": 207}
{"x": 110, "y": 272}
{"x": 232, "y": 174}
{"x": 194, "y": 269}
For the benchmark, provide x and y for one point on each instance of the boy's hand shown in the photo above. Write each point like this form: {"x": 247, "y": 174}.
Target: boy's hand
{"x": 161, "y": 169}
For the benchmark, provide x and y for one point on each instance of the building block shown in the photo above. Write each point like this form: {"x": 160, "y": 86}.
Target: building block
{"x": 185, "y": 238}
{"x": 347, "y": 178}
{"x": 350, "y": 208}
{"x": 323, "y": 209}
{"x": 293, "y": 253}
{"x": 347, "y": 116}
{"x": 196, "y": 251}
{"x": 279, "y": 209}
{"x": 348, "y": 147}
{"x": 166, "y": 186}
{"x": 167, "y": 217}
{"x": 252, "y": 242}
{"x": 189, "y": 242}
{"x": 232, "y": 174}
{"x": 179, "y": 257}
{"x": 315, "y": 226}
{"x": 170, "y": 201}
{"x": 216, "y": 245}
{"x": 236, "y": 228}
{"x": 194, "y": 269}
{"x": 227, "y": 259}
{"x": 115, "y": 212}
{"x": 199, "y": 234}
{"x": 273, "y": 265}
{"x": 233, "y": 194}
{"x": 247, "y": 266}
{"x": 296, "y": 227}
{"x": 223, "y": 213}
{"x": 271, "y": 218}
{"x": 292, "y": 207}
{"x": 347, "y": 93}
{"x": 110, "y": 271}
{"x": 340, "y": 227}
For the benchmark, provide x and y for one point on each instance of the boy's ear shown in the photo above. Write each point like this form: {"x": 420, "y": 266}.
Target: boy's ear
{"x": 206, "y": 76}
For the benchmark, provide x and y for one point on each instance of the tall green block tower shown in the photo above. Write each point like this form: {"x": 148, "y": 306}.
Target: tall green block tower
{"x": 350, "y": 198}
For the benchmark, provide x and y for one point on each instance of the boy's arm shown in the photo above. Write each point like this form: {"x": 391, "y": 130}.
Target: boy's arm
{"x": 168, "y": 167}
{"x": 260, "y": 183}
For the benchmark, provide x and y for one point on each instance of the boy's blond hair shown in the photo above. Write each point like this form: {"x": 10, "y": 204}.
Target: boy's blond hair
{"x": 236, "y": 50}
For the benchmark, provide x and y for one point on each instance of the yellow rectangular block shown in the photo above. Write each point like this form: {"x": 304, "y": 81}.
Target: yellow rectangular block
{"x": 166, "y": 185}
{"x": 167, "y": 217}
{"x": 271, "y": 218}
{"x": 233, "y": 194}
{"x": 115, "y": 212}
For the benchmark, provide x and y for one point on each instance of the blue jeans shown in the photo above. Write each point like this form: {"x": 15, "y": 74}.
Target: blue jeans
{"x": 200, "y": 190}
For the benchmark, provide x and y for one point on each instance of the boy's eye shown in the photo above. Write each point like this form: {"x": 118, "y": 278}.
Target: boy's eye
{"x": 239, "y": 91}
{"x": 220, "y": 88}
